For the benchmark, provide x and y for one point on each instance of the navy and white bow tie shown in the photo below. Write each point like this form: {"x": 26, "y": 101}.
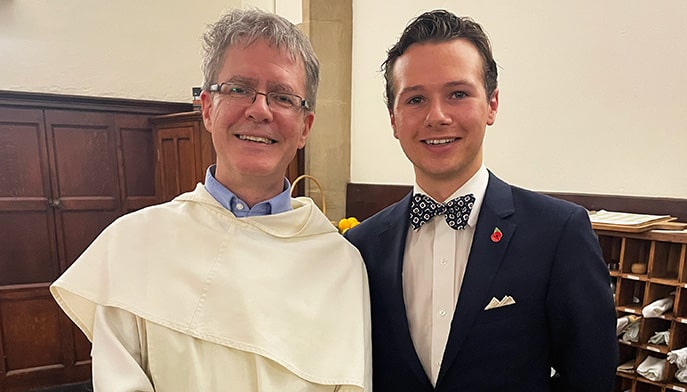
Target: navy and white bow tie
{"x": 457, "y": 211}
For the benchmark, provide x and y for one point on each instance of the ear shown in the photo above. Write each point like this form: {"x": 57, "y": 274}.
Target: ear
{"x": 392, "y": 118}
{"x": 207, "y": 108}
{"x": 493, "y": 107}
{"x": 307, "y": 125}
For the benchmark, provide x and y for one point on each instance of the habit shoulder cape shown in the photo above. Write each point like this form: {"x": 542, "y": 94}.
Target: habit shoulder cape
{"x": 286, "y": 287}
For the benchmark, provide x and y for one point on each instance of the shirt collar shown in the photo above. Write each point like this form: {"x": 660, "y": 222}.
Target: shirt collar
{"x": 229, "y": 200}
{"x": 477, "y": 185}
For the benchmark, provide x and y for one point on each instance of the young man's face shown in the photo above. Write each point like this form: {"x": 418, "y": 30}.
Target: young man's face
{"x": 256, "y": 141}
{"x": 440, "y": 111}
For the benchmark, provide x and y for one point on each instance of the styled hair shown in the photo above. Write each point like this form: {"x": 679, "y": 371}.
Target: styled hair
{"x": 440, "y": 26}
{"x": 246, "y": 27}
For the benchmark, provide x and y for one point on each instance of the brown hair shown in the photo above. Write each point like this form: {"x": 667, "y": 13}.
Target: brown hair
{"x": 441, "y": 26}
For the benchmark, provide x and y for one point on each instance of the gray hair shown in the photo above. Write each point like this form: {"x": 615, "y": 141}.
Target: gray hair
{"x": 247, "y": 26}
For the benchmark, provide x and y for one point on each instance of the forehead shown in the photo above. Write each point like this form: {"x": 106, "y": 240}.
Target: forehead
{"x": 263, "y": 63}
{"x": 438, "y": 63}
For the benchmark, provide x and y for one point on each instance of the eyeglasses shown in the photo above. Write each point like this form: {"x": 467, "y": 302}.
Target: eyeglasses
{"x": 247, "y": 95}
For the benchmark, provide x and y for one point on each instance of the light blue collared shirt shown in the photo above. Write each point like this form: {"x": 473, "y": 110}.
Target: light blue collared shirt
{"x": 228, "y": 200}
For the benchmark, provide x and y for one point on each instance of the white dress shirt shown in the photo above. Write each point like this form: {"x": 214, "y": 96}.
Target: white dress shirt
{"x": 433, "y": 267}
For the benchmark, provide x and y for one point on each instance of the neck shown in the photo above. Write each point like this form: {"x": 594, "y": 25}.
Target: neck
{"x": 440, "y": 188}
{"x": 252, "y": 190}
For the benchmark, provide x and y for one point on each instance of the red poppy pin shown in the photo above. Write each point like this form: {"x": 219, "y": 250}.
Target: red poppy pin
{"x": 496, "y": 235}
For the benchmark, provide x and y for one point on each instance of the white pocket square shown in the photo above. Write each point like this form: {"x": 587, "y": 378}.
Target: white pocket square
{"x": 495, "y": 303}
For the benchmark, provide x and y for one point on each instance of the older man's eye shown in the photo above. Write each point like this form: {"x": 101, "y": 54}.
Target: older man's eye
{"x": 238, "y": 90}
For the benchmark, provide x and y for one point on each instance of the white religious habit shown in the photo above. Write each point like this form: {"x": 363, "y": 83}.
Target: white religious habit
{"x": 184, "y": 296}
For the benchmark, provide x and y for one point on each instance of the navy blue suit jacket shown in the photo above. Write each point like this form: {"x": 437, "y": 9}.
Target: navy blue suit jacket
{"x": 548, "y": 260}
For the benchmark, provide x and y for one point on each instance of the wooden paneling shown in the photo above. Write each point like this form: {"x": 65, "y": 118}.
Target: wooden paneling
{"x": 179, "y": 168}
{"x": 28, "y": 252}
{"x": 184, "y": 151}
{"x": 177, "y": 159}
{"x": 69, "y": 166}
{"x": 83, "y": 157}
{"x": 85, "y": 177}
{"x": 364, "y": 200}
{"x": 640, "y": 205}
{"x": 138, "y": 161}
{"x": 33, "y": 343}
{"x": 30, "y": 325}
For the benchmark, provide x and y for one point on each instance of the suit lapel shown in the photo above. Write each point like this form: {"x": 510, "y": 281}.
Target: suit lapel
{"x": 483, "y": 263}
{"x": 394, "y": 234}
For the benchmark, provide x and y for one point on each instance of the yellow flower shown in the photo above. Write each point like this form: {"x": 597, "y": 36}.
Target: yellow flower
{"x": 347, "y": 223}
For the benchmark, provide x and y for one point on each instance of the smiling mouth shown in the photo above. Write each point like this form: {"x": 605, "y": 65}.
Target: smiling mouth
{"x": 438, "y": 142}
{"x": 256, "y": 139}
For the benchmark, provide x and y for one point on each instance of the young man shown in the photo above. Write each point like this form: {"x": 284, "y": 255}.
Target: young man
{"x": 476, "y": 285}
{"x": 234, "y": 286}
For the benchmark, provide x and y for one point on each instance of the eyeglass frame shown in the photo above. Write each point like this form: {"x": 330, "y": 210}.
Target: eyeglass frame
{"x": 217, "y": 88}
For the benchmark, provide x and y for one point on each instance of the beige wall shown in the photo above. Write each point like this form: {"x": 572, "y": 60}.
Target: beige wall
{"x": 593, "y": 93}
{"x": 125, "y": 48}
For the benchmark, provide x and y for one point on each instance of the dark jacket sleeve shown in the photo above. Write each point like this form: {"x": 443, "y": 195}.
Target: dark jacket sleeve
{"x": 581, "y": 311}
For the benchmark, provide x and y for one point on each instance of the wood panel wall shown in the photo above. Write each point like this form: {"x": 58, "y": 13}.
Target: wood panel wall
{"x": 364, "y": 200}
{"x": 69, "y": 166}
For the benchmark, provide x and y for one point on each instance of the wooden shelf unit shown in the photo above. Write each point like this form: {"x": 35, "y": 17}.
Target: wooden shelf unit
{"x": 665, "y": 255}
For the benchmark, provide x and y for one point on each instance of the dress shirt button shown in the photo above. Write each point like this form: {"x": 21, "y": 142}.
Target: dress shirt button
{"x": 443, "y": 261}
{"x": 442, "y": 313}
{"x": 239, "y": 206}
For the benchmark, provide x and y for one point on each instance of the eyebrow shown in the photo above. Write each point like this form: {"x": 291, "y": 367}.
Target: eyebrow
{"x": 451, "y": 84}
{"x": 252, "y": 83}
{"x": 243, "y": 80}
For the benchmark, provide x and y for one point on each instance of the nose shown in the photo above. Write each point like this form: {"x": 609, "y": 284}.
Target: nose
{"x": 259, "y": 110}
{"x": 437, "y": 114}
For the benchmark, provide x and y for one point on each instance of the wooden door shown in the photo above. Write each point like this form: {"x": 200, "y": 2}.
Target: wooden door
{"x": 86, "y": 198}
{"x": 31, "y": 325}
{"x": 136, "y": 151}
{"x": 179, "y": 166}
{"x": 59, "y": 187}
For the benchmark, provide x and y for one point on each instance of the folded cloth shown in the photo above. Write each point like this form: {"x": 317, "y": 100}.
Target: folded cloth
{"x": 631, "y": 333}
{"x": 623, "y": 322}
{"x": 658, "y": 307}
{"x": 662, "y": 337}
{"x": 678, "y": 357}
{"x": 652, "y": 368}
{"x": 627, "y": 367}
{"x": 681, "y": 375}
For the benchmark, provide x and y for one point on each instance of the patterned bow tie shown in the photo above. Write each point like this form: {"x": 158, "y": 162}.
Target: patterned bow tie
{"x": 457, "y": 211}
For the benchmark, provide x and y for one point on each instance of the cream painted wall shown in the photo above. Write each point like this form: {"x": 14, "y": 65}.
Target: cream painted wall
{"x": 125, "y": 48}
{"x": 593, "y": 94}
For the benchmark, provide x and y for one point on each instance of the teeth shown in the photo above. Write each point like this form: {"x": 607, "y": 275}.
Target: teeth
{"x": 439, "y": 141}
{"x": 256, "y": 139}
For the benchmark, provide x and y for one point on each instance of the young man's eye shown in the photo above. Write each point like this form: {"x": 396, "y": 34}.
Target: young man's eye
{"x": 459, "y": 94}
{"x": 415, "y": 100}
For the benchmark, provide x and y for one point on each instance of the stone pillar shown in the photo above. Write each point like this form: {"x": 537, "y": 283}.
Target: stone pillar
{"x": 328, "y": 151}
